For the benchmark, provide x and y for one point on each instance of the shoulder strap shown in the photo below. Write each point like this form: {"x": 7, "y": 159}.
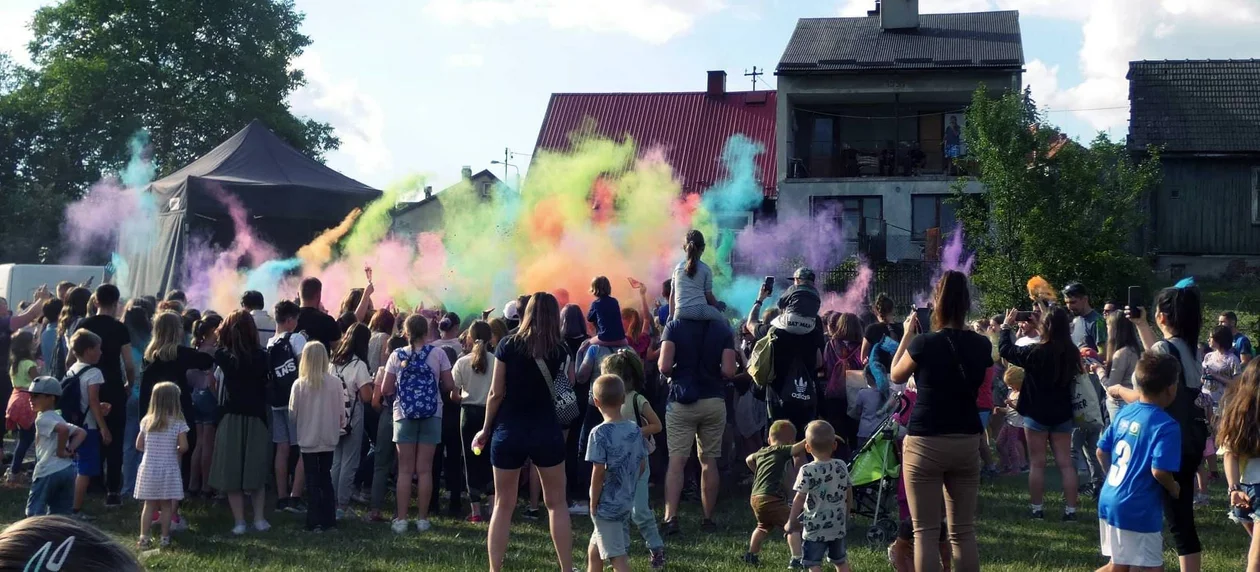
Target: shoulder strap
{"x": 953, "y": 351}
{"x": 1174, "y": 352}
{"x": 638, "y": 419}
{"x": 551, "y": 384}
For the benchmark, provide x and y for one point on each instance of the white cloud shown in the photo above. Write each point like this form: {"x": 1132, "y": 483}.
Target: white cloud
{"x": 15, "y": 32}
{"x": 652, "y": 21}
{"x": 356, "y": 116}
{"x": 469, "y": 60}
{"x": 1119, "y": 31}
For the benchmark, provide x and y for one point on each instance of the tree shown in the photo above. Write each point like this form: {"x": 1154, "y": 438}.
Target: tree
{"x": 189, "y": 73}
{"x": 1051, "y": 207}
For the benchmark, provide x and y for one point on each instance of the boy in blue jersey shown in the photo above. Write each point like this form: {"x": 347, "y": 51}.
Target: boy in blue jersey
{"x": 1140, "y": 451}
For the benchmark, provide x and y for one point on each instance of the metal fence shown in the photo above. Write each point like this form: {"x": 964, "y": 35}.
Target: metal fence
{"x": 903, "y": 281}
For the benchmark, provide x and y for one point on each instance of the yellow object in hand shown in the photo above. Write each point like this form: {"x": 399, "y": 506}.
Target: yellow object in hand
{"x": 476, "y": 451}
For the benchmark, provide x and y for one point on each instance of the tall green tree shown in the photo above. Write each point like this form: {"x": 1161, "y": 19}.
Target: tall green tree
{"x": 189, "y": 73}
{"x": 1051, "y": 207}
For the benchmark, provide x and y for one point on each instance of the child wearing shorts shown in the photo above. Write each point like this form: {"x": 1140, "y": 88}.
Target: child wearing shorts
{"x": 771, "y": 466}
{"x": 822, "y": 501}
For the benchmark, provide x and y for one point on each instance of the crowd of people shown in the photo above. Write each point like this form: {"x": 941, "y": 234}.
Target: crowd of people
{"x": 580, "y": 410}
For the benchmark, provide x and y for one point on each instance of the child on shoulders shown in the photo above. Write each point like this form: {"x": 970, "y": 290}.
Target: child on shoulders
{"x": 605, "y": 313}
{"x": 691, "y": 295}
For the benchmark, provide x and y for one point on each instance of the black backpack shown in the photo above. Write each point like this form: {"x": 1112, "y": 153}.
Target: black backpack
{"x": 72, "y": 401}
{"x": 282, "y": 363}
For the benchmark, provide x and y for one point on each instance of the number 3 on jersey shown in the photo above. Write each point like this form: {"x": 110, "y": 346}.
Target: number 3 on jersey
{"x": 1121, "y": 456}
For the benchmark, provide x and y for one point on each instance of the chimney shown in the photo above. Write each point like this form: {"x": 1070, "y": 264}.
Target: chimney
{"x": 428, "y": 192}
{"x": 898, "y": 14}
{"x": 717, "y": 84}
{"x": 466, "y": 173}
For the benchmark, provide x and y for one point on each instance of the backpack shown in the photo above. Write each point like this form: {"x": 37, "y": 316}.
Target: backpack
{"x": 417, "y": 393}
{"x": 761, "y": 362}
{"x": 282, "y": 363}
{"x": 840, "y": 357}
{"x": 72, "y": 401}
{"x": 1189, "y": 413}
{"x": 351, "y": 398}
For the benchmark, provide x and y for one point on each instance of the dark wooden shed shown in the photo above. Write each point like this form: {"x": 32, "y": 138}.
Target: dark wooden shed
{"x": 1205, "y": 115}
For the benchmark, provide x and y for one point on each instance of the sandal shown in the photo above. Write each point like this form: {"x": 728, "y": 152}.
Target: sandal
{"x": 144, "y": 543}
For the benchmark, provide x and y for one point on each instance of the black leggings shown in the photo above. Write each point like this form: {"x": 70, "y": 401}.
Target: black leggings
{"x": 321, "y": 500}
{"x": 1179, "y": 512}
{"x": 476, "y": 467}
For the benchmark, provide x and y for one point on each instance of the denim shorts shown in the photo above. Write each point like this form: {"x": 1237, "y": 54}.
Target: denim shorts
{"x": 283, "y": 429}
{"x": 422, "y": 431}
{"x": 205, "y": 407}
{"x": 1249, "y": 514}
{"x": 52, "y": 494}
{"x": 814, "y": 550}
{"x": 1064, "y": 427}
{"x": 87, "y": 458}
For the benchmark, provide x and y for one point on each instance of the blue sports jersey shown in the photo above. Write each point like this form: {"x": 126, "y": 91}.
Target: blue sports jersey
{"x": 1242, "y": 346}
{"x": 1141, "y": 437}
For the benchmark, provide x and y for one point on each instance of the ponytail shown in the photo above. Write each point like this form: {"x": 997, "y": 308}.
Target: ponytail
{"x": 694, "y": 247}
{"x": 1183, "y": 307}
{"x": 480, "y": 333}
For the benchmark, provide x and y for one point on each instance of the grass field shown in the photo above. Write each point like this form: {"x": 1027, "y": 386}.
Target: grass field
{"x": 1008, "y": 541}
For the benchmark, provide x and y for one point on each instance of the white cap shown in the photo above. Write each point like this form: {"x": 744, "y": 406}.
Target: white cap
{"x": 512, "y": 310}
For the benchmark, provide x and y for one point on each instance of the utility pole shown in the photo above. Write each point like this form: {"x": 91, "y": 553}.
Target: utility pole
{"x": 507, "y": 156}
{"x": 754, "y": 74}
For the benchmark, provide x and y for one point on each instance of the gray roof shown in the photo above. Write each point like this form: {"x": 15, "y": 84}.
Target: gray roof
{"x": 942, "y": 41}
{"x": 1210, "y": 106}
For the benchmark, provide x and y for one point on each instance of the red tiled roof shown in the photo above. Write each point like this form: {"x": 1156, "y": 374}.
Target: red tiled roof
{"x": 691, "y": 128}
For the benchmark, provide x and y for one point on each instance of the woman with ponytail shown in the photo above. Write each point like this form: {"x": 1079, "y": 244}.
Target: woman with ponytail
{"x": 473, "y": 374}
{"x": 692, "y": 297}
{"x": 1179, "y": 314}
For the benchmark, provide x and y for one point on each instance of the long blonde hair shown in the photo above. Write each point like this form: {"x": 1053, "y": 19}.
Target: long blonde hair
{"x": 163, "y": 407}
{"x": 314, "y": 365}
{"x": 168, "y": 334}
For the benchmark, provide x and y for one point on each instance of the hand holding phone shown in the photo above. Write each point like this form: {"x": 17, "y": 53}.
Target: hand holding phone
{"x": 923, "y": 319}
{"x": 368, "y": 271}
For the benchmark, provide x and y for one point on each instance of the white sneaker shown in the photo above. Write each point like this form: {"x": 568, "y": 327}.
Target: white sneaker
{"x": 239, "y": 529}
{"x": 398, "y": 525}
{"x": 178, "y": 524}
{"x": 262, "y": 525}
{"x": 423, "y": 525}
{"x": 580, "y": 508}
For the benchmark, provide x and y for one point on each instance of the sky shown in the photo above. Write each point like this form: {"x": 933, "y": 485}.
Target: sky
{"x": 430, "y": 86}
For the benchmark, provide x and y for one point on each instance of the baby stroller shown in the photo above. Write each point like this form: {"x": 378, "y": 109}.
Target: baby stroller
{"x": 874, "y": 471}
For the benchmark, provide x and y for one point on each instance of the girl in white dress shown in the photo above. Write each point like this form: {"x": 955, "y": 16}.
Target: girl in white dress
{"x": 163, "y": 439}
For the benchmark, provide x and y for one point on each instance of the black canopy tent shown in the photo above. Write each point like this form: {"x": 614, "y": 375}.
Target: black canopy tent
{"x": 289, "y": 197}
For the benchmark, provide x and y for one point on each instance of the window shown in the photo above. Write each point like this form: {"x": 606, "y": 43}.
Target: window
{"x": 856, "y": 216}
{"x": 932, "y": 211}
{"x": 1255, "y": 195}
{"x": 484, "y": 189}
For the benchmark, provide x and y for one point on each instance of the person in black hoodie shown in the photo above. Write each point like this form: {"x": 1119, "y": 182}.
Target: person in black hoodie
{"x": 1050, "y": 370}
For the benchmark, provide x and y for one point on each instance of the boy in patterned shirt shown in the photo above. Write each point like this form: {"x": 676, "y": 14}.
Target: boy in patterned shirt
{"x": 618, "y": 457}
{"x": 822, "y": 501}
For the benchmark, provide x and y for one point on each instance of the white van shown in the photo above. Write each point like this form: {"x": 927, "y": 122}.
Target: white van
{"x": 19, "y": 281}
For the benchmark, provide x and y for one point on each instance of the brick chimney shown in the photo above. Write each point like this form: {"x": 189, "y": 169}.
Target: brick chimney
{"x": 466, "y": 173}
{"x": 717, "y": 84}
{"x": 898, "y": 14}
{"x": 428, "y": 192}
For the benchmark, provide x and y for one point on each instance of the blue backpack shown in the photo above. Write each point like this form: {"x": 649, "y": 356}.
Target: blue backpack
{"x": 417, "y": 393}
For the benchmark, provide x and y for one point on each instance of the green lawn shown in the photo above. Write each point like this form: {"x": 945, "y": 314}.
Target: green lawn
{"x": 1241, "y": 296}
{"x": 1008, "y": 541}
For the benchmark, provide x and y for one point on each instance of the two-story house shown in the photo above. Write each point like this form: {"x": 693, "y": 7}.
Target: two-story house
{"x": 425, "y": 215}
{"x": 870, "y": 117}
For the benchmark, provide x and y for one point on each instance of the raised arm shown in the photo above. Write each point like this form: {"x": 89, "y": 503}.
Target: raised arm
{"x": 361, "y": 312}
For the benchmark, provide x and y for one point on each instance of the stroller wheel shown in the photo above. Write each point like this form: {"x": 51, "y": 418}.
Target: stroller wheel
{"x": 879, "y": 535}
{"x": 889, "y": 526}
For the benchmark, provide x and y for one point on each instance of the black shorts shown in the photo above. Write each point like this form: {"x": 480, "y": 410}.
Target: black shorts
{"x": 513, "y": 444}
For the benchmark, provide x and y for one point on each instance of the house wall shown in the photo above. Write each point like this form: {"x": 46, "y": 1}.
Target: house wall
{"x": 895, "y": 193}
{"x": 1207, "y": 206}
{"x": 426, "y": 217}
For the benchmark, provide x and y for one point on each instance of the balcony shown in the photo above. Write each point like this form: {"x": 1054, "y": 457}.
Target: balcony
{"x": 877, "y": 140}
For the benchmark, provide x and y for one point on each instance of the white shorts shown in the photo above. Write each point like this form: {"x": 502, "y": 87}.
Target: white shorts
{"x": 1129, "y": 548}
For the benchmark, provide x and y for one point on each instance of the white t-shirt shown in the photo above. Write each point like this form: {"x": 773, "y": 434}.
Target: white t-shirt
{"x": 265, "y": 324}
{"x": 454, "y": 344}
{"x": 297, "y": 340}
{"x": 88, "y": 379}
{"x": 46, "y": 460}
{"x": 437, "y": 361}
{"x": 356, "y": 376}
{"x": 474, "y": 388}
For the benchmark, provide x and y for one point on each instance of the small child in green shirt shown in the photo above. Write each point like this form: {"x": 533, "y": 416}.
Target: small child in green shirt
{"x": 772, "y": 466}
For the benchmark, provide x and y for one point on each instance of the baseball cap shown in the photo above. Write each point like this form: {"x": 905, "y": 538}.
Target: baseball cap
{"x": 45, "y": 385}
{"x": 803, "y": 273}
{"x": 512, "y": 310}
